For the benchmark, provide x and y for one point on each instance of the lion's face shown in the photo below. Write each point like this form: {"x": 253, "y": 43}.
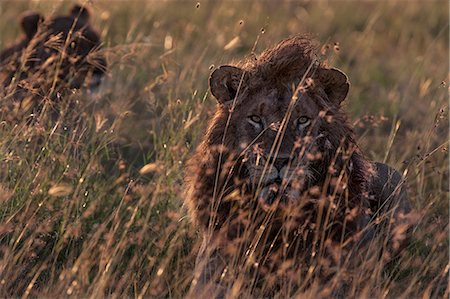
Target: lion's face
{"x": 279, "y": 138}
{"x": 261, "y": 129}
{"x": 63, "y": 47}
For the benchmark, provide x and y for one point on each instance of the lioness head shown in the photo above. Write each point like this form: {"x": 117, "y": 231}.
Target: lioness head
{"x": 285, "y": 118}
{"x": 62, "y": 48}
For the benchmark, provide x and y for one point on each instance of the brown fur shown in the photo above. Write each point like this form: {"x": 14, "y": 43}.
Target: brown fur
{"x": 231, "y": 194}
{"x": 287, "y": 62}
{"x": 55, "y": 53}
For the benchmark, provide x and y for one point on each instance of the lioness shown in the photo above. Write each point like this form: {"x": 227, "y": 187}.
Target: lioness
{"x": 54, "y": 55}
{"x": 278, "y": 178}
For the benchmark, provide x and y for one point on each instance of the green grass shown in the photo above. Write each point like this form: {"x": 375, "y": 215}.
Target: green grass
{"x": 78, "y": 219}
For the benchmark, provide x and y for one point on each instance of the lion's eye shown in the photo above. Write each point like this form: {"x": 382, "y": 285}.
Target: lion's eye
{"x": 256, "y": 121}
{"x": 303, "y": 121}
{"x": 255, "y": 118}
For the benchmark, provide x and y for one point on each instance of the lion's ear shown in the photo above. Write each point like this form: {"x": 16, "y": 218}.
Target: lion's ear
{"x": 335, "y": 84}
{"x": 30, "y": 22}
{"x": 80, "y": 12}
{"x": 224, "y": 82}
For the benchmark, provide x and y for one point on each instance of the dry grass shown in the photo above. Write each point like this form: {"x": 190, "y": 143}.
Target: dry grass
{"x": 79, "y": 216}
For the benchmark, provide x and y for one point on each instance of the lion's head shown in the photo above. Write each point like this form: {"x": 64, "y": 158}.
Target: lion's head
{"x": 62, "y": 49}
{"x": 283, "y": 117}
{"x": 279, "y": 135}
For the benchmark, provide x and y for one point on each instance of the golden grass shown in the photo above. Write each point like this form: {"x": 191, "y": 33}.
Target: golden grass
{"x": 91, "y": 204}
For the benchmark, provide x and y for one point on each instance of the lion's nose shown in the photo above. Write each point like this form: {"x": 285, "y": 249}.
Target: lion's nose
{"x": 279, "y": 163}
{"x": 278, "y": 180}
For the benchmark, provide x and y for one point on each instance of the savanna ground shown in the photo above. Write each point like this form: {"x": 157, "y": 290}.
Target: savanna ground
{"x": 95, "y": 206}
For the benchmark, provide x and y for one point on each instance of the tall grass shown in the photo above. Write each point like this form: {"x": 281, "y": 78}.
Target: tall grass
{"x": 78, "y": 218}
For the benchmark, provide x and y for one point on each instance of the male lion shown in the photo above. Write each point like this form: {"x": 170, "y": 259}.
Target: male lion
{"x": 54, "y": 55}
{"x": 278, "y": 179}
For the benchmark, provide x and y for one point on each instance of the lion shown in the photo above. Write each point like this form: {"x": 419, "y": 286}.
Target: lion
{"x": 54, "y": 55}
{"x": 278, "y": 175}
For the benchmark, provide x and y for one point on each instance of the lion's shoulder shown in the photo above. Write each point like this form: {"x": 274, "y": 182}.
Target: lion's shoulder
{"x": 388, "y": 187}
